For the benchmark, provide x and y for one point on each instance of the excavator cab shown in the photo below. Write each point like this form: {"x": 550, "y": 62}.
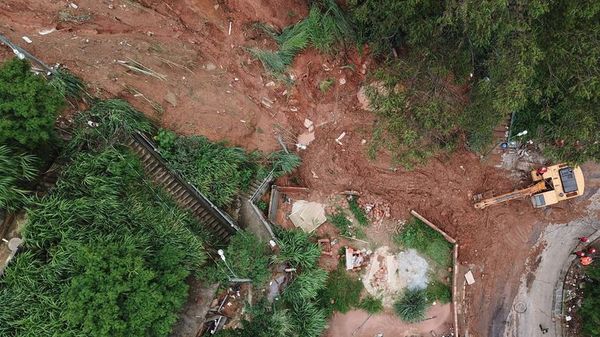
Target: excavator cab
{"x": 563, "y": 182}
{"x": 552, "y": 184}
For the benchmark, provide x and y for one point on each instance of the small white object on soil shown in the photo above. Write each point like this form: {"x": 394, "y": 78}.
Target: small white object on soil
{"x": 469, "y": 277}
{"x": 27, "y": 39}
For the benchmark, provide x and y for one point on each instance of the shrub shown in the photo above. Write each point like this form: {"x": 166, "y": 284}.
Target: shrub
{"x": 341, "y": 222}
{"x": 219, "y": 171}
{"x": 16, "y": 169}
{"x": 28, "y": 106}
{"x": 296, "y": 249}
{"x": 371, "y": 304}
{"x": 309, "y": 320}
{"x": 419, "y": 236}
{"x": 284, "y": 163}
{"x": 358, "y": 212}
{"x": 105, "y": 255}
{"x": 306, "y": 286}
{"x": 106, "y": 123}
{"x": 247, "y": 256}
{"x": 438, "y": 291}
{"x": 411, "y": 307}
{"x": 591, "y": 300}
{"x": 341, "y": 292}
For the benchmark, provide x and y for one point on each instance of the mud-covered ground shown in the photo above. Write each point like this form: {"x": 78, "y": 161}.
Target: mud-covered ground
{"x": 213, "y": 87}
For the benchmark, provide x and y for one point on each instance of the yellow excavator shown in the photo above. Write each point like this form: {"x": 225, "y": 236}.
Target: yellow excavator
{"x": 551, "y": 185}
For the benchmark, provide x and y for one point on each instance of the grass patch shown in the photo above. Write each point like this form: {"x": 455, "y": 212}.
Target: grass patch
{"x": 358, "y": 212}
{"x": 411, "y": 307}
{"x": 325, "y": 85}
{"x": 438, "y": 291}
{"x": 427, "y": 241}
{"x": 341, "y": 292}
{"x": 371, "y": 304}
{"x": 341, "y": 222}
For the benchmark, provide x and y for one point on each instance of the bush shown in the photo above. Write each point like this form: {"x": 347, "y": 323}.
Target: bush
{"x": 219, "y": 171}
{"x": 306, "y": 286}
{"x": 28, "y": 106}
{"x": 438, "y": 291}
{"x": 419, "y": 236}
{"x": 411, "y": 307}
{"x": 325, "y": 27}
{"x": 341, "y": 292}
{"x": 284, "y": 163}
{"x": 104, "y": 255}
{"x": 106, "y": 123}
{"x": 591, "y": 300}
{"x": 296, "y": 249}
{"x": 17, "y": 169}
{"x": 341, "y": 222}
{"x": 358, "y": 212}
{"x": 371, "y": 305}
{"x": 247, "y": 256}
{"x": 309, "y": 320}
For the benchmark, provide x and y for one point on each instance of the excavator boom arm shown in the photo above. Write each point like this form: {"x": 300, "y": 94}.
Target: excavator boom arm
{"x": 526, "y": 192}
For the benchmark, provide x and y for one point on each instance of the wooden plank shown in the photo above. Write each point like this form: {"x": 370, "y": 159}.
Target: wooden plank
{"x": 292, "y": 189}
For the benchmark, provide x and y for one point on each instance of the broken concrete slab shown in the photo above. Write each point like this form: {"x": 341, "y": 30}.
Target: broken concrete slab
{"x": 308, "y": 215}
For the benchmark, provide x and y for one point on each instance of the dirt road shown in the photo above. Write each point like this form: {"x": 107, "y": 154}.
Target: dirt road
{"x": 541, "y": 286}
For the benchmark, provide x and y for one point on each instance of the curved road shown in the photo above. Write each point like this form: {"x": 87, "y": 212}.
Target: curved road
{"x": 540, "y": 291}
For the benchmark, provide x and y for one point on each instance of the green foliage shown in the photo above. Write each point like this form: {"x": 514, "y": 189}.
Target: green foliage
{"x": 309, "y": 320}
{"x": 591, "y": 300}
{"x": 538, "y": 59}
{"x": 371, "y": 304}
{"x": 28, "y": 106}
{"x": 283, "y": 162}
{"x": 325, "y": 27}
{"x": 420, "y": 112}
{"x": 16, "y": 169}
{"x": 306, "y": 286}
{"x": 341, "y": 293}
{"x": 296, "y": 249}
{"x": 105, "y": 255}
{"x": 247, "y": 256}
{"x": 106, "y": 123}
{"x": 427, "y": 241}
{"x": 358, "y": 212}
{"x": 341, "y": 222}
{"x": 68, "y": 85}
{"x": 263, "y": 321}
{"x": 165, "y": 139}
{"x": 262, "y": 205}
{"x": 326, "y": 84}
{"x": 438, "y": 291}
{"x": 411, "y": 307}
{"x": 219, "y": 171}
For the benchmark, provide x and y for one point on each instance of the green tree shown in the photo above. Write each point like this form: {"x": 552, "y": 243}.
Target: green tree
{"x": 591, "y": 301}
{"x": 28, "y": 106}
{"x": 117, "y": 293}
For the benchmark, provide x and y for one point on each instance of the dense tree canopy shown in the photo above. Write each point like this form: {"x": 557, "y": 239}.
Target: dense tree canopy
{"x": 106, "y": 254}
{"x": 28, "y": 106}
{"x": 538, "y": 59}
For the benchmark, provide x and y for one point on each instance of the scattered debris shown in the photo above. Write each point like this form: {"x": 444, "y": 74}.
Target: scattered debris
{"x": 27, "y": 39}
{"x": 309, "y": 124}
{"x": 230, "y": 23}
{"x": 342, "y": 81}
{"x": 305, "y": 139}
{"x": 325, "y": 245}
{"x": 314, "y": 175}
{"x": 46, "y": 31}
{"x": 72, "y": 5}
{"x": 469, "y": 277}
{"x": 266, "y": 102}
{"x": 171, "y": 98}
{"x": 307, "y": 215}
{"x": 140, "y": 68}
{"x": 356, "y": 259}
{"x": 210, "y": 66}
{"x": 338, "y": 139}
